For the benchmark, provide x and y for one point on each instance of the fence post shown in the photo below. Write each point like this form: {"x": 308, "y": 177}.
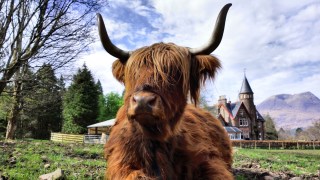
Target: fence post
{"x": 297, "y": 145}
{"x": 313, "y": 145}
{"x": 255, "y": 144}
{"x": 240, "y": 145}
{"x": 269, "y": 145}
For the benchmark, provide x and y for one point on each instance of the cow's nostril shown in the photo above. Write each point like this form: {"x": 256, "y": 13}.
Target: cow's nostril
{"x": 139, "y": 100}
{"x": 144, "y": 100}
{"x": 152, "y": 101}
{"x": 134, "y": 99}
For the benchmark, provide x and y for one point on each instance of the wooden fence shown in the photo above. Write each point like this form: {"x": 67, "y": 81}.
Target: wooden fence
{"x": 70, "y": 138}
{"x": 93, "y": 139}
{"x": 273, "y": 144}
{"x": 266, "y": 144}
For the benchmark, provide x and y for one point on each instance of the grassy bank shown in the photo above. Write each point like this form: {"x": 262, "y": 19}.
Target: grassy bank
{"x": 296, "y": 162}
{"x": 30, "y": 159}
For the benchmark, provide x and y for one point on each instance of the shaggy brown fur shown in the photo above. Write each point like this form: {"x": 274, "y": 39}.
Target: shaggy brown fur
{"x": 182, "y": 141}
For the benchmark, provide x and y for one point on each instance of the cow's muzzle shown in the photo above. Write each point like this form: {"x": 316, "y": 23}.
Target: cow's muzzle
{"x": 144, "y": 106}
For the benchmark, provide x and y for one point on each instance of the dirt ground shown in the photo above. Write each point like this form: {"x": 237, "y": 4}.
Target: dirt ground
{"x": 256, "y": 173}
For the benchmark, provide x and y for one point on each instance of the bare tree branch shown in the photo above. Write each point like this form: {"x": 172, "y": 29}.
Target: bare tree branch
{"x": 39, "y": 31}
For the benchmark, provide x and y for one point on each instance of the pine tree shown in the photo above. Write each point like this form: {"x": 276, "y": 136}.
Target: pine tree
{"x": 102, "y": 115}
{"x": 99, "y": 87}
{"x": 80, "y": 103}
{"x": 43, "y": 106}
{"x": 298, "y": 132}
{"x": 102, "y": 108}
{"x": 61, "y": 84}
{"x": 282, "y": 134}
{"x": 270, "y": 129}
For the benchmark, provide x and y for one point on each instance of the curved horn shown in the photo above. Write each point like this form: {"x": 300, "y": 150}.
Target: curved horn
{"x": 108, "y": 45}
{"x": 216, "y": 35}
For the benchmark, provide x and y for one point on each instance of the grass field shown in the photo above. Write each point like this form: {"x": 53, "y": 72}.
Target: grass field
{"x": 295, "y": 162}
{"x": 30, "y": 159}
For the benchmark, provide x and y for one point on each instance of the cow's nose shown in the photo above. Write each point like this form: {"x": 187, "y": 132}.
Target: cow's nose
{"x": 144, "y": 107}
{"x": 144, "y": 101}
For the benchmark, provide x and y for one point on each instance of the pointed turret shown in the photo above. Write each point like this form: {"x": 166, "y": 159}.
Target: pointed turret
{"x": 245, "y": 88}
{"x": 246, "y": 97}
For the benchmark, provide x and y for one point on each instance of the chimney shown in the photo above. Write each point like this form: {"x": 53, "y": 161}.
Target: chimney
{"x": 222, "y": 100}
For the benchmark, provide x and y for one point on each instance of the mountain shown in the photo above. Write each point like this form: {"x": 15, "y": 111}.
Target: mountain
{"x": 292, "y": 111}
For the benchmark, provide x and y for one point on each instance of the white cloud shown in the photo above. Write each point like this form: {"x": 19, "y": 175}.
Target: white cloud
{"x": 99, "y": 62}
{"x": 276, "y": 41}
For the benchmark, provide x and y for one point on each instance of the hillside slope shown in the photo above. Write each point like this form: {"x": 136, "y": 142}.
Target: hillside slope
{"x": 292, "y": 111}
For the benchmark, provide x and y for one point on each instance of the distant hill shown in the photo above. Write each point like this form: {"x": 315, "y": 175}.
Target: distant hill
{"x": 292, "y": 111}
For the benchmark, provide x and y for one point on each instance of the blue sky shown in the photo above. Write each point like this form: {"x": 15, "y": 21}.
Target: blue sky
{"x": 277, "y": 42}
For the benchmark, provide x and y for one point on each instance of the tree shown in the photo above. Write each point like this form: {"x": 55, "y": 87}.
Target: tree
{"x": 109, "y": 105}
{"x": 19, "y": 83}
{"x": 102, "y": 108}
{"x": 101, "y": 103}
{"x": 40, "y": 104}
{"x": 203, "y": 102}
{"x": 270, "y": 130}
{"x": 298, "y": 132}
{"x": 37, "y": 31}
{"x": 61, "y": 84}
{"x": 99, "y": 87}
{"x": 80, "y": 103}
{"x": 42, "y": 109}
{"x": 5, "y": 104}
{"x": 314, "y": 131}
{"x": 282, "y": 135}
{"x": 113, "y": 102}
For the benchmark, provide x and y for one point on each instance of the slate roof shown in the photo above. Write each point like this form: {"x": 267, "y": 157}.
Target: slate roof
{"x": 236, "y": 109}
{"x": 233, "y": 109}
{"x": 232, "y": 129}
{"x": 245, "y": 88}
{"x": 259, "y": 116}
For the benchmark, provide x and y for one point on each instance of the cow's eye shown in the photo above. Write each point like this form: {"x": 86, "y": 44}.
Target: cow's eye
{"x": 147, "y": 87}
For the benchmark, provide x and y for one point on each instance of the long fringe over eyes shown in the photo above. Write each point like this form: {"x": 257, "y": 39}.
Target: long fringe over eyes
{"x": 167, "y": 64}
{"x": 164, "y": 62}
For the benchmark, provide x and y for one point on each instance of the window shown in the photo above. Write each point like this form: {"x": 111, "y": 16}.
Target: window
{"x": 245, "y": 135}
{"x": 243, "y": 122}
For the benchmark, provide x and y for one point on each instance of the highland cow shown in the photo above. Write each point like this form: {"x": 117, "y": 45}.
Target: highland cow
{"x": 157, "y": 135}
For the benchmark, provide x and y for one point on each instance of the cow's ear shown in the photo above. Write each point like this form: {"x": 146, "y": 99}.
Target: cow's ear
{"x": 203, "y": 67}
{"x": 208, "y": 66}
{"x": 118, "y": 70}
